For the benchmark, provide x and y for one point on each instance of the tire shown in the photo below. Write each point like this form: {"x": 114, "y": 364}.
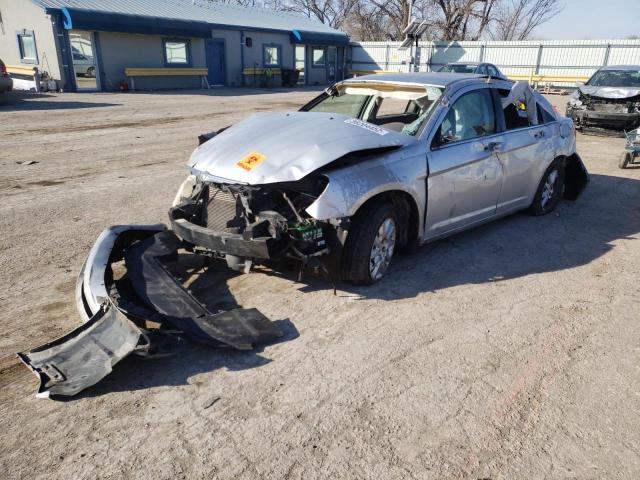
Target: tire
{"x": 625, "y": 160}
{"x": 374, "y": 227}
{"x": 91, "y": 72}
{"x": 549, "y": 190}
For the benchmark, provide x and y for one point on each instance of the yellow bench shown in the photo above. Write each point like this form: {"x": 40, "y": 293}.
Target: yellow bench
{"x": 535, "y": 78}
{"x": 132, "y": 72}
{"x": 257, "y": 71}
{"x": 26, "y": 71}
{"x": 29, "y": 70}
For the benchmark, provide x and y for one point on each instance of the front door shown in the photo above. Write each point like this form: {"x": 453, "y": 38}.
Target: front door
{"x": 465, "y": 172}
{"x": 215, "y": 62}
{"x": 85, "y": 60}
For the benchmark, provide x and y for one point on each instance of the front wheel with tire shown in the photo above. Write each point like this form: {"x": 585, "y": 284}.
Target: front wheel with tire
{"x": 370, "y": 244}
{"x": 549, "y": 190}
{"x": 625, "y": 160}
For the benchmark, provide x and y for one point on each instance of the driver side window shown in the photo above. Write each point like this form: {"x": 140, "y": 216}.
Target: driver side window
{"x": 471, "y": 116}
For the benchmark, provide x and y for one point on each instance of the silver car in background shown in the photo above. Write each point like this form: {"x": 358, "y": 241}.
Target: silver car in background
{"x": 376, "y": 165}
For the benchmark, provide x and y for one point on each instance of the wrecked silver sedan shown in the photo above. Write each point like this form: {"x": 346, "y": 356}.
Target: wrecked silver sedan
{"x": 609, "y": 102}
{"x": 373, "y": 166}
{"x": 376, "y": 165}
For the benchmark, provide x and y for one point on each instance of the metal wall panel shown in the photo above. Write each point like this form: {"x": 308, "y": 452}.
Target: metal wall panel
{"x": 567, "y": 58}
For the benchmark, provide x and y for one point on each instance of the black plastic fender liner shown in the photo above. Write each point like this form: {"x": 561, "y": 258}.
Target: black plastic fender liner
{"x": 576, "y": 177}
{"x": 159, "y": 290}
{"x": 84, "y": 356}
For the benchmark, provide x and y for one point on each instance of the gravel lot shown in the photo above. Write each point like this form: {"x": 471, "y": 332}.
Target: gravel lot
{"x": 508, "y": 352}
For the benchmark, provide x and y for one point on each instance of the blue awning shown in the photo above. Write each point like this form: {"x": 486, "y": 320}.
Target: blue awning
{"x": 115, "y": 22}
{"x": 81, "y": 19}
{"x": 318, "y": 38}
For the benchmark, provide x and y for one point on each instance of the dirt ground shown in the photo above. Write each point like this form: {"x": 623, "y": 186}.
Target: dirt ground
{"x": 508, "y": 352}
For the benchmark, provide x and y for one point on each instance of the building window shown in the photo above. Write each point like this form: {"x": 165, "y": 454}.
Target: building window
{"x": 27, "y": 47}
{"x": 271, "y": 55}
{"x": 177, "y": 52}
{"x": 318, "y": 57}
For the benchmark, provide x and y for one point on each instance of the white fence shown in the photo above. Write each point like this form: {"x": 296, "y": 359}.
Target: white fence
{"x": 555, "y": 58}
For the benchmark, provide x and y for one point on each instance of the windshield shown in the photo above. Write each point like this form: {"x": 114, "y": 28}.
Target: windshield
{"x": 615, "y": 78}
{"x": 398, "y": 108}
{"x": 459, "y": 68}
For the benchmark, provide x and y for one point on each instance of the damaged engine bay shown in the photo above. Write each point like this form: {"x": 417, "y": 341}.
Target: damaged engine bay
{"x": 255, "y": 223}
{"x": 609, "y": 103}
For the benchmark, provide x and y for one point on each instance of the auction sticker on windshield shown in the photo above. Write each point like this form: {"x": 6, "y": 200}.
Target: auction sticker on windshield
{"x": 366, "y": 126}
{"x": 252, "y": 160}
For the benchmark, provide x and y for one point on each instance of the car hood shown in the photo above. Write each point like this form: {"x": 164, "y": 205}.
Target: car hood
{"x": 610, "y": 92}
{"x": 287, "y": 146}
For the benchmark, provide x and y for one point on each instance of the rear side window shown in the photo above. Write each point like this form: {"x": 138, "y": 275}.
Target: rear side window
{"x": 493, "y": 71}
{"x": 515, "y": 116}
{"x": 471, "y": 116}
{"x": 544, "y": 116}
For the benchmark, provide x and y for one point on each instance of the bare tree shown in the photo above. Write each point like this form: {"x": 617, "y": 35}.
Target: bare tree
{"x": 448, "y": 19}
{"x": 516, "y": 19}
{"x": 463, "y": 19}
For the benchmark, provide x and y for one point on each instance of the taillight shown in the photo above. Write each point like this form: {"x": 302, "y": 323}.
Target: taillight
{"x": 3, "y": 69}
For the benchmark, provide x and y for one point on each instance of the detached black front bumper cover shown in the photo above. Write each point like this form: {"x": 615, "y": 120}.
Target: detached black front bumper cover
{"x": 114, "y": 318}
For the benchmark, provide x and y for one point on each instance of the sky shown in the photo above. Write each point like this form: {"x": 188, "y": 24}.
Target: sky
{"x": 593, "y": 19}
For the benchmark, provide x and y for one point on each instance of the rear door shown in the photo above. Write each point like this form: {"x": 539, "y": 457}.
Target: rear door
{"x": 525, "y": 154}
{"x": 465, "y": 173}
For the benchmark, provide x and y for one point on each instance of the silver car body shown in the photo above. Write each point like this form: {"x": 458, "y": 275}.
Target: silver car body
{"x": 453, "y": 187}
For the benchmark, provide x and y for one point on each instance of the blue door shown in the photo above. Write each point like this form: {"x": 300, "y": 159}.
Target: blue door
{"x": 215, "y": 62}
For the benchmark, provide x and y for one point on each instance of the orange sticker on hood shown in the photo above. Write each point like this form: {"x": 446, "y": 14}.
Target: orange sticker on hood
{"x": 250, "y": 161}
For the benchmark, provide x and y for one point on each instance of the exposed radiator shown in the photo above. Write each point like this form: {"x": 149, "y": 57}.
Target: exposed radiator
{"x": 221, "y": 208}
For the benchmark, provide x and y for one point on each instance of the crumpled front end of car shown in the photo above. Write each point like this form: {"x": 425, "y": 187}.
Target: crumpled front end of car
{"x": 594, "y": 113}
{"x": 249, "y": 224}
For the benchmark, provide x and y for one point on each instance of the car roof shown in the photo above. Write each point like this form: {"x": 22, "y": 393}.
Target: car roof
{"x": 436, "y": 79}
{"x": 463, "y": 63}
{"x": 621, "y": 67}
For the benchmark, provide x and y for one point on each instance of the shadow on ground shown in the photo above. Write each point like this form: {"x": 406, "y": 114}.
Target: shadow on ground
{"x": 21, "y": 100}
{"x": 516, "y": 246}
{"x": 576, "y": 234}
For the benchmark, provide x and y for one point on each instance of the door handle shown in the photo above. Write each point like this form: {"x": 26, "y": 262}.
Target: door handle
{"x": 539, "y": 134}
{"x": 493, "y": 146}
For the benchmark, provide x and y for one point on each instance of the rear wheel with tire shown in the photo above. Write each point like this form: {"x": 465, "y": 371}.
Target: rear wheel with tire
{"x": 370, "y": 244}
{"x": 549, "y": 191}
{"x": 625, "y": 160}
